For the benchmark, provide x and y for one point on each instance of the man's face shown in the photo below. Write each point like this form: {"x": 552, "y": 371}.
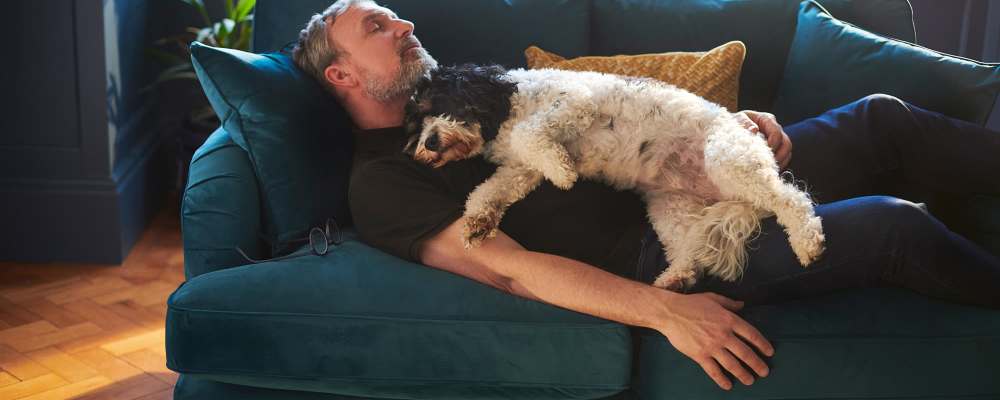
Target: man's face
{"x": 383, "y": 53}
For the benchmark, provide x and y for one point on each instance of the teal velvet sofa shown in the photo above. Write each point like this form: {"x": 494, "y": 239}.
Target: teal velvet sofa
{"x": 357, "y": 323}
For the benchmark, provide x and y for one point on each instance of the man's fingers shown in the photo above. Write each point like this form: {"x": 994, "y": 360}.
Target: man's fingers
{"x": 783, "y": 156}
{"x": 774, "y": 136}
{"x": 748, "y": 356}
{"x": 714, "y": 372}
{"x": 746, "y": 122}
{"x": 752, "y": 335}
{"x": 734, "y": 367}
{"x": 784, "y": 153}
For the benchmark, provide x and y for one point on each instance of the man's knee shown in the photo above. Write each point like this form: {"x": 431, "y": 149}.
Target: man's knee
{"x": 897, "y": 214}
{"x": 881, "y": 103}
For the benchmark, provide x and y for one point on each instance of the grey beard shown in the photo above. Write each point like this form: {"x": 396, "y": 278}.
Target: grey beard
{"x": 410, "y": 72}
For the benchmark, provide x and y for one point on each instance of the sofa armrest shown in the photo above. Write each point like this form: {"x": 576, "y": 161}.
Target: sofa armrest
{"x": 220, "y": 209}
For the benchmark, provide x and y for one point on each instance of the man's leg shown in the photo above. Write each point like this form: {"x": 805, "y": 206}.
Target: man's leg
{"x": 876, "y": 145}
{"x": 882, "y": 145}
{"x": 871, "y": 241}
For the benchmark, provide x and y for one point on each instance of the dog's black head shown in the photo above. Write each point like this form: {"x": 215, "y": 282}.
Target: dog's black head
{"x": 455, "y": 111}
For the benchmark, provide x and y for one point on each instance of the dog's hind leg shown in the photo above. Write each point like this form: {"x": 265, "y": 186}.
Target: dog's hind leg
{"x": 672, "y": 216}
{"x": 742, "y": 167}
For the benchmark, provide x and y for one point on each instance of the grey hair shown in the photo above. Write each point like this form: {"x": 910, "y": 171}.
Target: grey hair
{"x": 314, "y": 51}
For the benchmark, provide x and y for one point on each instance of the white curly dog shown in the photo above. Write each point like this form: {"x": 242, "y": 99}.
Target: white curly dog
{"x": 706, "y": 180}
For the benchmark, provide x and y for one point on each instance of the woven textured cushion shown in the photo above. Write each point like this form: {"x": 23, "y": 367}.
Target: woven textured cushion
{"x": 359, "y": 322}
{"x": 832, "y": 63}
{"x": 713, "y": 74}
{"x": 296, "y": 135}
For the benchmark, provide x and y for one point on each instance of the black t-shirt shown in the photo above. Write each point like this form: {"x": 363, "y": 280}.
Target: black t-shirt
{"x": 397, "y": 203}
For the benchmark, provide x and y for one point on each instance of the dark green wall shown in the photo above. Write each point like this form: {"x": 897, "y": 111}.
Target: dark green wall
{"x": 85, "y": 156}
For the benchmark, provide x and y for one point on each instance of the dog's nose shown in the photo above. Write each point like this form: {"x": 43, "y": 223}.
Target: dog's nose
{"x": 432, "y": 143}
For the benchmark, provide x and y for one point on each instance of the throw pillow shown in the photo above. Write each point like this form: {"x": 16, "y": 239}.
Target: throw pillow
{"x": 832, "y": 63}
{"x": 296, "y": 135}
{"x": 713, "y": 74}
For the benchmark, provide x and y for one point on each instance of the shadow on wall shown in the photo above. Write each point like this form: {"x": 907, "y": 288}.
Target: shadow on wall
{"x": 967, "y": 28}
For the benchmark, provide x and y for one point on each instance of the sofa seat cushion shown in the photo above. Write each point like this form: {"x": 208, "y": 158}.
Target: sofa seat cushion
{"x": 359, "y": 322}
{"x": 195, "y": 388}
{"x": 874, "y": 343}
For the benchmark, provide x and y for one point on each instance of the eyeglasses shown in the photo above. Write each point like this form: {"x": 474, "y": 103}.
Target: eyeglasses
{"x": 320, "y": 239}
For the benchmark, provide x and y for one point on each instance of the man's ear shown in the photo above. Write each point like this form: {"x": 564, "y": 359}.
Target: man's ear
{"x": 337, "y": 75}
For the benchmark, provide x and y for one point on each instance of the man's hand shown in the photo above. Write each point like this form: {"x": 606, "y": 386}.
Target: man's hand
{"x": 703, "y": 327}
{"x": 779, "y": 142}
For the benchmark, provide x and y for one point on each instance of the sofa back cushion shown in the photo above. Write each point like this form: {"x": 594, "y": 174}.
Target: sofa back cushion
{"x": 765, "y": 26}
{"x": 294, "y": 132}
{"x": 833, "y": 62}
{"x": 453, "y": 31}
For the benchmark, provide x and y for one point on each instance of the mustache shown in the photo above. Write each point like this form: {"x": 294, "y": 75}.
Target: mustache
{"x": 405, "y": 44}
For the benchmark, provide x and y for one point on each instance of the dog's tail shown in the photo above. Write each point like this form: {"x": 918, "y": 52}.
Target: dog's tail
{"x": 721, "y": 236}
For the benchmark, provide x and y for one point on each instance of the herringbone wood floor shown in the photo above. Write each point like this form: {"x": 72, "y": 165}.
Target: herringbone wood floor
{"x": 71, "y": 331}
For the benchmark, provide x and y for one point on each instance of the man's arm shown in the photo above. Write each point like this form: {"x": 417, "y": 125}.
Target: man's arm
{"x": 701, "y": 326}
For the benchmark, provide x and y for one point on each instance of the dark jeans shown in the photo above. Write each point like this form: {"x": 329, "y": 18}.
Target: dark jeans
{"x": 854, "y": 160}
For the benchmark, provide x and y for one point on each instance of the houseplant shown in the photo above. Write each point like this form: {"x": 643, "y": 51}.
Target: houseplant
{"x": 233, "y": 30}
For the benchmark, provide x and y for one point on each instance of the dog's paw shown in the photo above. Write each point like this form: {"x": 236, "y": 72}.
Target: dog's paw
{"x": 479, "y": 227}
{"x": 564, "y": 179}
{"x": 675, "y": 281}
{"x": 809, "y": 242}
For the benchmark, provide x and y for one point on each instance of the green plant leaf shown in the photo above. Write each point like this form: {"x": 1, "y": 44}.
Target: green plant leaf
{"x": 165, "y": 57}
{"x": 176, "y": 70}
{"x": 181, "y": 37}
{"x": 180, "y": 71}
{"x": 200, "y": 6}
{"x": 223, "y": 30}
{"x": 206, "y": 36}
{"x": 229, "y": 8}
{"x": 180, "y": 75}
{"x": 243, "y": 9}
{"x": 202, "y": 114}
{"x": 244, "y": 42}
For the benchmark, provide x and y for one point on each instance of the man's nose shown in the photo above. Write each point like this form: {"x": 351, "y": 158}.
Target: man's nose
{"x": 432, "y": 143}
{"x": 405, "y": 28}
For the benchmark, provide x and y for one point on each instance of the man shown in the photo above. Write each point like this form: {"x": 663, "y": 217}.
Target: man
{"x": 551, "y": 243}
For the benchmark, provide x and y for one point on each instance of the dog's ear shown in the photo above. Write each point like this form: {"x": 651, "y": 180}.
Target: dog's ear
{"x": 411, "y": 145}
{"x": 422, "y": 84}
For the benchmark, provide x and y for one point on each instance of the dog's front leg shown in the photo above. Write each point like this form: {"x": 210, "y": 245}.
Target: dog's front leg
{"x": 489, "y": 201}
{"x": 543, "y": 154}
{"x": 538, "y": 141}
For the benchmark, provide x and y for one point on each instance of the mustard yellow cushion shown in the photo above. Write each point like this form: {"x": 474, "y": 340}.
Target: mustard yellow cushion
{"x": 713, "y": 74}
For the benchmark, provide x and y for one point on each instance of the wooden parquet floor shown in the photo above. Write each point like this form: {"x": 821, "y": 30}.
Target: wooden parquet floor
{"x": 89, "y": 332}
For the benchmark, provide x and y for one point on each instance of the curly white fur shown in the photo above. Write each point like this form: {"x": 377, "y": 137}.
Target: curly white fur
{"x": 706, "y": 180}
